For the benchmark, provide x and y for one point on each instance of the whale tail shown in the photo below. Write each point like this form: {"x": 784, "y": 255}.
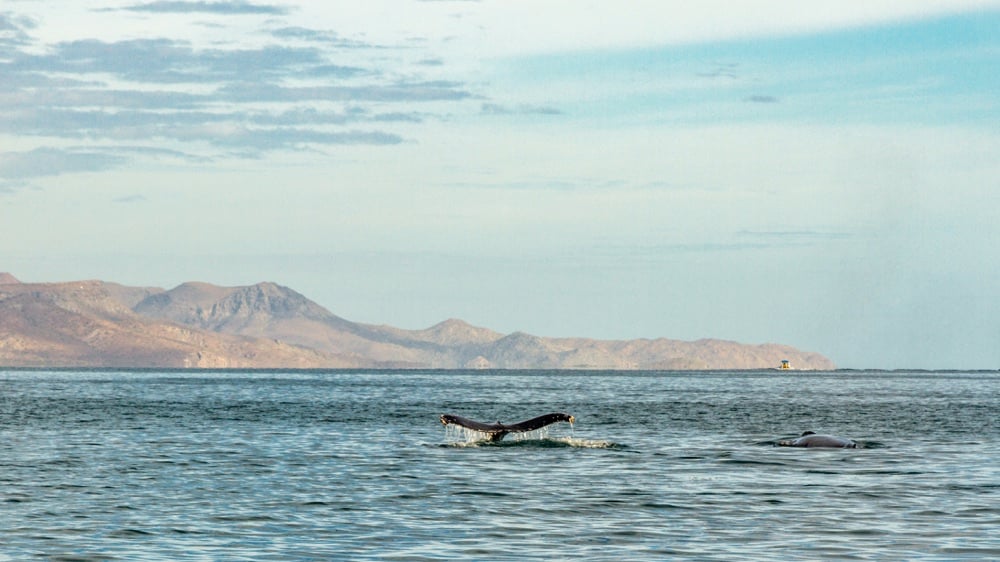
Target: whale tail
{"x": 497, "y": 431}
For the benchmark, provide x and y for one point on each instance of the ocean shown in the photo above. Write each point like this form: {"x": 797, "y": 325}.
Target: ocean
{"x": 355, "y": 465}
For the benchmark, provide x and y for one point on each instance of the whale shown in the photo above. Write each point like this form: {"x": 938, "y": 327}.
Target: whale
{"x": 813, "y": 439}
{"x": 497, "y": 431}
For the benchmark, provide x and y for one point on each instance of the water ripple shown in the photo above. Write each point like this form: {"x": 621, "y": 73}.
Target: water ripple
{"x": 341, "y": 465}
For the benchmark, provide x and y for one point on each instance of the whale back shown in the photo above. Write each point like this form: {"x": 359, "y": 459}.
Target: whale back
{"x": 815, "y": 440}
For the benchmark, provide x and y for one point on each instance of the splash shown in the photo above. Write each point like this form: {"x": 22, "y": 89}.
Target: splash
{"x": 458, "y": 436}
{"x": 585, "y": 443}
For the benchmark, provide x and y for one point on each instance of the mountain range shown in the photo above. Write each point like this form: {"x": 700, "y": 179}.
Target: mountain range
{"x": 199, "y": 325}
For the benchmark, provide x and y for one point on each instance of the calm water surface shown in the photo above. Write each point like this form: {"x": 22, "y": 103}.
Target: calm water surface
{"x": 355, "y": 465}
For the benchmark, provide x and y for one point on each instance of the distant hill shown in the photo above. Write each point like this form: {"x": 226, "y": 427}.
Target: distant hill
{"x": 199, "y": 325}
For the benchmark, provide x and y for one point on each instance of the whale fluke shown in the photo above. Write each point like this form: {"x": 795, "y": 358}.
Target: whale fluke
{"x": 813, "y": 439}
{"x": 497, "y": 431}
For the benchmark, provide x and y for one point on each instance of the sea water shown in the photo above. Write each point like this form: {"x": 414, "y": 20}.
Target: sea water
{"x": 349, "y": 465}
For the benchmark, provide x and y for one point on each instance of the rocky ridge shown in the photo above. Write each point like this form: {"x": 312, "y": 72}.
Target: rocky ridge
{"x": 199, "y": 325}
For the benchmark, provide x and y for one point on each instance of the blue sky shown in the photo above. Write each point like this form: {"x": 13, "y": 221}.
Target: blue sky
{"x": 761, "y": 172}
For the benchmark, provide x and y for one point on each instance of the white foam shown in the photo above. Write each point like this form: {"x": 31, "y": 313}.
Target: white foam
{"x": 458, "y": 436}
{"x": 585, "y": 443}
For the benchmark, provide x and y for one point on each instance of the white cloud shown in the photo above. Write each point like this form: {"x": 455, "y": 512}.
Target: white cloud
{"x": 52, "y": 162}
{"x": 518, "y": 27}
{"x": 229, "y": 7}
{"x": 262, "y": 91}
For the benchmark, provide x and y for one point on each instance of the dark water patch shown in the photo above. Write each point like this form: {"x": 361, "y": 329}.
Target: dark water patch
{"x": 752, "y": 462}
{"x": 890, "y": 472}
{"x": 977, "y": 511}
{"x": 985, "y": 487}
{"x": 484, "y": 493}
{"x": 974, "y": 553}
{"x": 683, "y": 458}
{"x": 862, "y": 444}
{"x": 821, "y": 471}
{"x": 130, "y": 533}
{"x": 931, "y": 513}
{"x": 859, "y": 531}
{"x": 665, "y": 506}
{"x": 247, "y": 518}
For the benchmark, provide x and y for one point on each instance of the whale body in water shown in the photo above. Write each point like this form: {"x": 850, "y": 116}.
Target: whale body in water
{"x": 813, "y": 439}
{"x": 497, "y": 431}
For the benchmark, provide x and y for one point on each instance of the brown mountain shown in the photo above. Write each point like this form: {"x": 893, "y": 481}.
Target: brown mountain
{"x": 89, "y": 324}
{"x": 99, "y": 324}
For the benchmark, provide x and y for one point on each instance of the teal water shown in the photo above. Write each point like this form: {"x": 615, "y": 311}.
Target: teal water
{"x": 355, "y": 466}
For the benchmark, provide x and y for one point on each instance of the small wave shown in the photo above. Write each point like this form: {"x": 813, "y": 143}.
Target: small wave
{"x": 180, "y": 531}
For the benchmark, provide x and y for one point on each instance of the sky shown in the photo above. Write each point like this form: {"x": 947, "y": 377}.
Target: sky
{"x": 822, "y": 175}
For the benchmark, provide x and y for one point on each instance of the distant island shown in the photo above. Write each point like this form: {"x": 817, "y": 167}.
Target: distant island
{"x": 268, "y": 326}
